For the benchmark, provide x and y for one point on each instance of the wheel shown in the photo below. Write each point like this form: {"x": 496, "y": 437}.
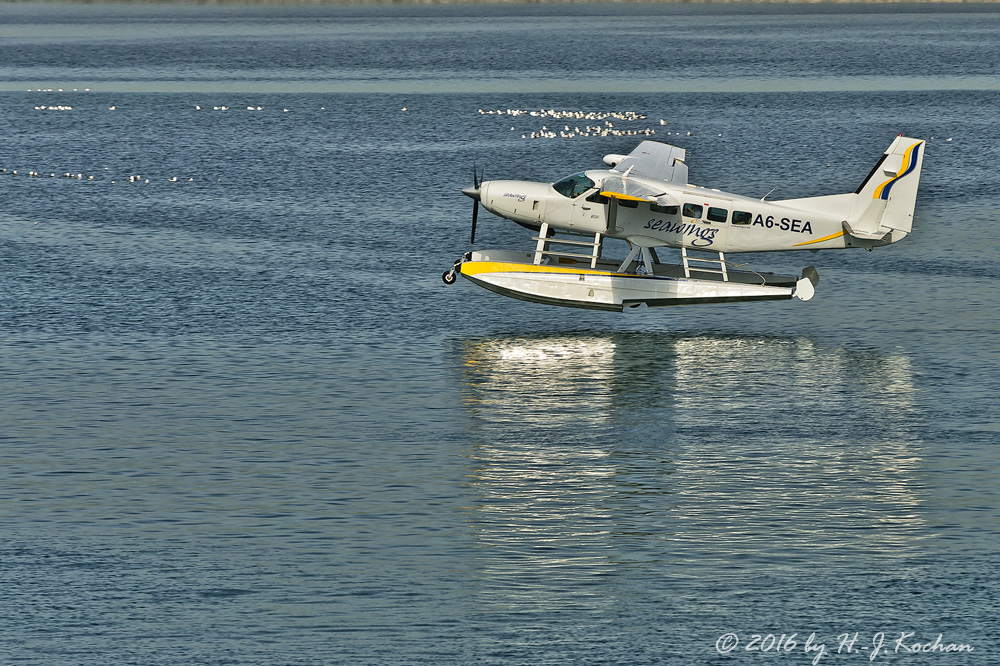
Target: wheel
{"x": 449, "y": 277}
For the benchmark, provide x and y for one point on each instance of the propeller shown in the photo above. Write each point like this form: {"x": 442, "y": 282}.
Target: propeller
{"x": 474, "y": 194}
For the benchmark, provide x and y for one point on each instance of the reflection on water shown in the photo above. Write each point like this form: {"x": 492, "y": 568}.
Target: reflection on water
{"x": 595, "y": 453}
{"x": 544, "y": 382}
{"x": 536, "y": 470}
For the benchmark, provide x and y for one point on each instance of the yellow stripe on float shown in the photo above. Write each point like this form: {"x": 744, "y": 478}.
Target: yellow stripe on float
{"x": 477, "y": 267}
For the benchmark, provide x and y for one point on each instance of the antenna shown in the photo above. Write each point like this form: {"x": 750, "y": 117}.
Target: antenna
{"x": 768, "y": 193}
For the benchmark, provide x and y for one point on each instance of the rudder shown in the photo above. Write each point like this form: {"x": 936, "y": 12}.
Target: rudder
{"x": 884, "y": 202}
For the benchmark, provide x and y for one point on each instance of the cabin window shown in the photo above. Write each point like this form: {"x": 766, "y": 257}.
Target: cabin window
{"x": 573, "y": 186}
{"x": 666, "y": 210}
{"x": 717, "y": 214}
{"x": 597, "y": 198}
{"x": 628, "y": 203}
{"x": 742, "y": 217}
{"x": 692, "y": 210}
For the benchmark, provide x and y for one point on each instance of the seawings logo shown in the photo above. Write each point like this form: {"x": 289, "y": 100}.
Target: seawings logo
{"x": 519, "y": 197}
{"x": 703, "y": 236}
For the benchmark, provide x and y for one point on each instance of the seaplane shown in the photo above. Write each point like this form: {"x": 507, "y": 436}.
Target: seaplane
{"x": 645, "y": 199}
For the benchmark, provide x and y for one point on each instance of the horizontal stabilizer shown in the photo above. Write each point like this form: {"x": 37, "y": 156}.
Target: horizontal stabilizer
{"x": 869, "y": 224}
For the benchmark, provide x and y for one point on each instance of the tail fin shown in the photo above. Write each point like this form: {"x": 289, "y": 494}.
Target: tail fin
{"x": 884, "y": 202}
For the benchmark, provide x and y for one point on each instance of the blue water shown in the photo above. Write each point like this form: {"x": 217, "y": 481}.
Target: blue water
{"x": 242, "y": 420}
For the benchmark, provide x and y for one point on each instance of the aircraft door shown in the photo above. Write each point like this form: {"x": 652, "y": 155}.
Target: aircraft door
{"x": 705, "y": 226}
{"x": 587, "y": 213}
{"x": 590, "y": 213}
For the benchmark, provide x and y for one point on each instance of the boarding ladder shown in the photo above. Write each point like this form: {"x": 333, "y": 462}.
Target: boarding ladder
{"x": 688, "y": 268}
{"x": 574, "y": 239}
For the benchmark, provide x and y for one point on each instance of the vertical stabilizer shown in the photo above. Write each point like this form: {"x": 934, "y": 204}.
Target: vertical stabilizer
{"x": 884, "y": 202}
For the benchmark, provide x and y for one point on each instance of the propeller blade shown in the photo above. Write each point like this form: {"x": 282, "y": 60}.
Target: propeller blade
{"x": 474, "y": 194}
{"x": 475, "y": 216}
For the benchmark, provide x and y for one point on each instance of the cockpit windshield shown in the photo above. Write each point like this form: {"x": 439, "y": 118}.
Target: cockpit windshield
{"x": 573, "y": 186}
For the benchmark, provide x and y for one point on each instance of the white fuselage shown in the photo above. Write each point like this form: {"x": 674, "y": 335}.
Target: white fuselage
{"x": 682, "y": 216}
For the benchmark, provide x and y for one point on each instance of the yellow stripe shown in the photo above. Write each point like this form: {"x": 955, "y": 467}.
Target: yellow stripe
{"x": 902, "y": 170}
{"x": 820, "y": 240}
{"x": 477, "y": 267}
{"x": 619, "y": 195}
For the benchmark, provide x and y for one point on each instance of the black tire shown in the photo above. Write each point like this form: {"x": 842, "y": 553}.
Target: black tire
{"x": 449, "y": 277}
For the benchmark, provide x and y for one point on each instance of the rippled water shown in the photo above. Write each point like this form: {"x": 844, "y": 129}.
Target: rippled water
{"x": 243, "y": 421}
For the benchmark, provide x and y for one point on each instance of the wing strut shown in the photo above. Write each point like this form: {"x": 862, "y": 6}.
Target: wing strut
{"x": 647, "y": 259}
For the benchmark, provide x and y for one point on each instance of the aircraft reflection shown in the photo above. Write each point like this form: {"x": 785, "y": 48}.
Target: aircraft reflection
{"x": 544, "y": 382}
{"x": 590, "y": 452}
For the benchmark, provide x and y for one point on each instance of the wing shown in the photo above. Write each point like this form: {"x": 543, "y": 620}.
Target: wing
{"x": 652, "y": 159}
{"x": 620, "y": 187}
